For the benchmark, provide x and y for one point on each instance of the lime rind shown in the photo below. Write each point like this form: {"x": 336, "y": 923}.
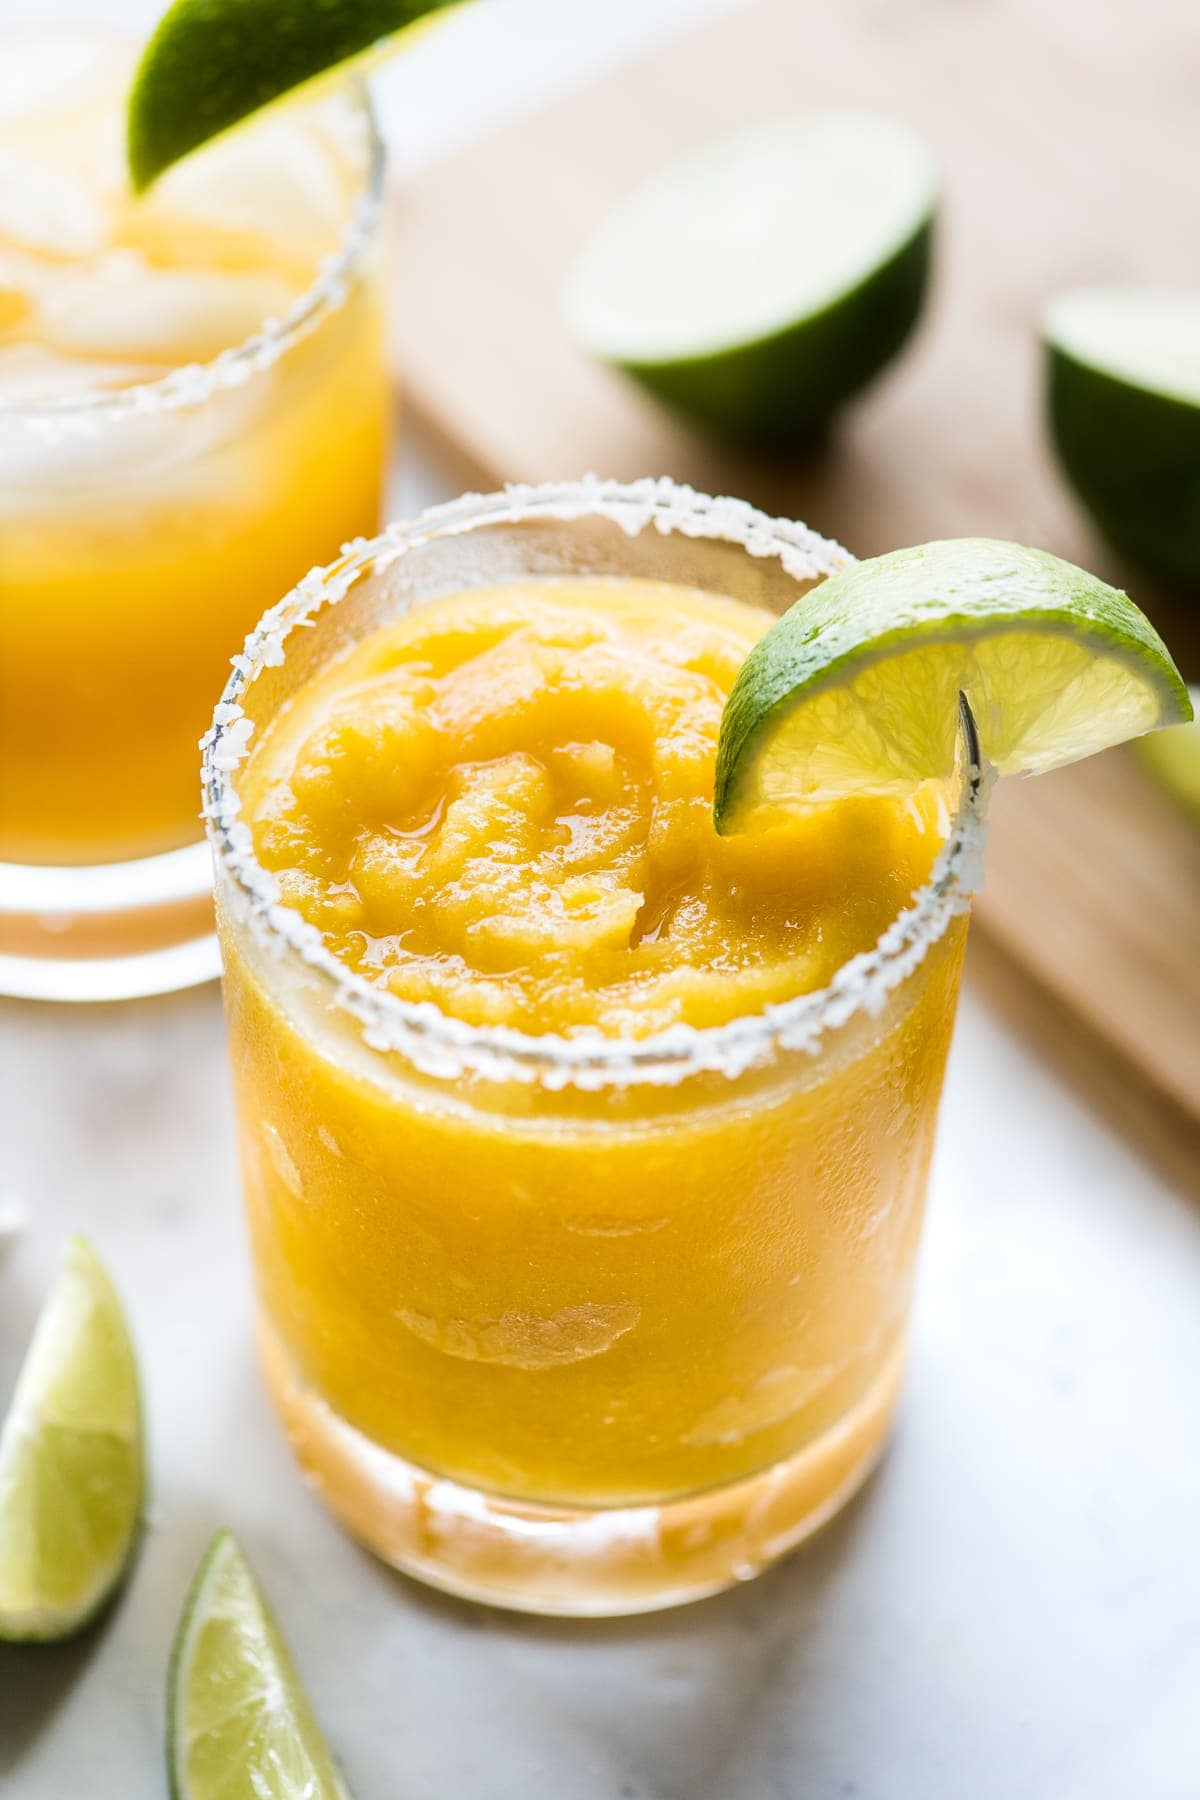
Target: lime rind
{"x": 72, "y": 1474}
{"x": 211, "y": 64}
{"x": 758, "y": 285}
{"x": 1122, "y": 396}
{"x": 855, "y": 689}
{"x": 733, "y": 244}
{"x": 238, "y": 1719}
{"x": 783, "y": 392}
{"x": 1148, "y": 337}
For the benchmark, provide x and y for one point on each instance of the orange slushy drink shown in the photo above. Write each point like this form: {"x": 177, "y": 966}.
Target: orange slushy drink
{"x": 585, "y": 1150}
{"x": 192, "y": 411}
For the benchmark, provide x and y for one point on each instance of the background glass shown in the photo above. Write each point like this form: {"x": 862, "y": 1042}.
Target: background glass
{"x": 142, "y": 530}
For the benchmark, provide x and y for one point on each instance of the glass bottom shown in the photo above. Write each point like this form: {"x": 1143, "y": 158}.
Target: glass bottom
{"x": 108, "y": 931}
{"x": 585, "y": 1562}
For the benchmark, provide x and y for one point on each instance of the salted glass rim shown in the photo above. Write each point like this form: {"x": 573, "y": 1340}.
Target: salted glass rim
{"x": 192, "y": 384}
{"x": 435, "y": 1041}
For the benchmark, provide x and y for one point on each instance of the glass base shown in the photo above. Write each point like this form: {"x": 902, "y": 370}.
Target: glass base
{"x": 585, "y": 1562}
{"x": 108, "y": 931}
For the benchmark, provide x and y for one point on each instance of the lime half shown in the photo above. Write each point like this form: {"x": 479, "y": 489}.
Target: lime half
{"x": 1123, "y": 397}
{"x": 212, "y": 63}
{"x": 238, "y": 1721}
{"x": 855, "y": 689}
{"x": 760, "y": 284}
{"x": 71, "y": 1470}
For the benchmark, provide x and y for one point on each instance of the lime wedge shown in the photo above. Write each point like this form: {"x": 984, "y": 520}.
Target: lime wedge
{"x": 71, "y": 1474}
{"x": 1173, "y": 759}
{"x": 855, "y": 689}
{"x": 1123, "y": 398}
{"x": 212, "y": 63}
{"x": 238, "y": 1721}
{"x": 759, "y": 285}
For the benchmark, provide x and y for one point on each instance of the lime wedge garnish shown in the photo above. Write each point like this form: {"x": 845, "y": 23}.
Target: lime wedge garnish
{"x": 238, "y": 1721}
{"x": 1173, "y": 759}
{"x": 855, "y": 689}
{"x": 1123, "y": 396}
{"x": 760, "y": 284}
{"x": 212, "y": 63}
{"x": 71, "y": 1470}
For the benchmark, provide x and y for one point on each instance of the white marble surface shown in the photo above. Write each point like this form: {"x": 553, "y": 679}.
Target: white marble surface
{"x": 1010, "y": 1612}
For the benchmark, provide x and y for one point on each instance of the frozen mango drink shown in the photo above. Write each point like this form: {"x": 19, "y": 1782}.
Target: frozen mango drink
{"x": 591, "y": 963}
{"x": 584, "y": 1189}
{"x": 193, "y": 410}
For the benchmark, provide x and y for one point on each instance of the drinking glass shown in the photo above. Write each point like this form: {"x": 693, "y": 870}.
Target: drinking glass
{"x": 145, "y": 525}
{"x": 576, "y": 1325}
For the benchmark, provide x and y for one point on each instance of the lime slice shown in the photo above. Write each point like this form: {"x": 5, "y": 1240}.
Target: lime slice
{"x": 212, "y": 63}
{"x": 71, "y": 1474}
{"x": 1123, "y": 397}
{"x": 238, "y": 1721}
{"x": 1173, "y": 759}
{"x": 759, "y": 285}
{"x": 855, "y": 689}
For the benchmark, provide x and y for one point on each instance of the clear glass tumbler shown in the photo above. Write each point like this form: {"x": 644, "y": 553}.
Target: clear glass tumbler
{"x": 568, "y": 1325}
{"x": 149, "y": 512}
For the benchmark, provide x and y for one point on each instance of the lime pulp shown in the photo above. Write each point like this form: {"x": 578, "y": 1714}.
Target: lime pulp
{"x": 71, "y": 1462}
{"x": 855, "y": 689}
{"x": 758, "y": 285}
{"x": 238, "y": 1720}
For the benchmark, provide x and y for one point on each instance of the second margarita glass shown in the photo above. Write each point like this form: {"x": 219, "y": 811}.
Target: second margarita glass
{"x": 193, "y": 409}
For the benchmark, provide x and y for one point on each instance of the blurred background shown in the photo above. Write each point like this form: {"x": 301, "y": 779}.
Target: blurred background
{"x": 1013, "y": 1606}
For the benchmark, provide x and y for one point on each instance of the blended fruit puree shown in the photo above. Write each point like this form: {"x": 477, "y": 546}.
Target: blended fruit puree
{"x": 501, "y": 804}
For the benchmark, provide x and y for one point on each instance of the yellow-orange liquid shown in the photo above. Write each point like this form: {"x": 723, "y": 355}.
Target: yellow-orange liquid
{"x": 502, "y": 804}
{"x": 136, "y": 552}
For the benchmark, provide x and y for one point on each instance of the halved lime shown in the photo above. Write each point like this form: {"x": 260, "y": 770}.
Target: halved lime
{"x": 212, "y": 63}
{"x": 1173, "y": 759}
{"x": 1123, "y": 397}
{"x": 760, "y": 284}
{"x": 238, "y": 1720}
{"x": 855, "y": 689}
{"x": 71, "y": 1467}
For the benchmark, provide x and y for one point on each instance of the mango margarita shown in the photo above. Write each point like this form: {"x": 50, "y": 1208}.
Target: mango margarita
{"x": 160, "y": 485}
{"x": 675, "y": 1292}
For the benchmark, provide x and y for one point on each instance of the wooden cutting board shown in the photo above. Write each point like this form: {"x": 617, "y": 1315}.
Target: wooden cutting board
{"x": 1066, "y": 141}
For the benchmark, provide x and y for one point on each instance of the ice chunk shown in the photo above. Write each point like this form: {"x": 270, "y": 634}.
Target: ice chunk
{"x": 49, "y": 209}
{"x": 59, "y": 72}
{"x": 278, "y": 180}
{"x": 30, "y": 373}
{"x": 121, "y": 307}
{"x": 27, "y": 274}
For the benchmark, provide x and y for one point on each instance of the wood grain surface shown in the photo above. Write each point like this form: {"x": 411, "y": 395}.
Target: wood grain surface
{"x": 1065, "y": 134}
